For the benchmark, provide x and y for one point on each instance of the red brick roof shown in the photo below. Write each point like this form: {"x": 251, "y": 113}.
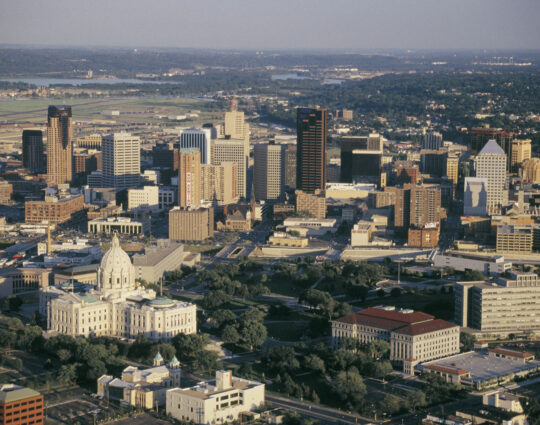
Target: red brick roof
{"x": 514, "y": 353}
{"x": 397, "y": 316}
{"x": 447, "y": 369}
{"x": 425, "y": 327}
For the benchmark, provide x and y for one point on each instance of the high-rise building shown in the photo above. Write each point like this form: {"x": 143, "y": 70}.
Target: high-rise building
{"x": 200, "y": 139}
{"x": 479, "y": 136}
{"x": 90, "y": 141}
{"x": 312, "y": 203}
{"x": 311, "y": 149}
{"x": 361, "y": 156}
{"x": 84, "y": 163}
{"x": 433, "y": 162}
{"x": 32, "y": 150}
{"x": 236, "y": 126}
{"x": 475, "y": 196}
{"x": 433, "y": 140}
{"x": 189, "y": 177}
{"x": 59, "y": 145}
{"x": 530, "y": 170}
{"x": 402, "y": 205}
{"x": 121, "y": 160}
{"x": 290, "y": 166}
{"x": 425, "y": 205}
{"x": 521, "y": 151}
{"x": 233, "y": 150}
{"x": 490, "y": 164}
{"x": 269, "y": 178}
{"x": 452, "y": 168}
{"x": 220, "y": 183}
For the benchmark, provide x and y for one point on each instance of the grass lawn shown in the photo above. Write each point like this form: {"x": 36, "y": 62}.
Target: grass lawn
{"x": 287, "y": 331}
{"x": 203, "y": 249}
{"x": 283, "y": 287}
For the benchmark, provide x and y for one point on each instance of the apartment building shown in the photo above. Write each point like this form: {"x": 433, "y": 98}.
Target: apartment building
{"x": 121, "y": 161}
{"x": 514, "y": 239}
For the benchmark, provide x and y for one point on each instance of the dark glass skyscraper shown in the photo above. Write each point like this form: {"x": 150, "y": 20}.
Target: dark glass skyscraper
{"x": 32, "y": 147}
{"x": 311, "y": 149}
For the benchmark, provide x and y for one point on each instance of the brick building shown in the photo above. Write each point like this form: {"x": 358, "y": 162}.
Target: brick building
{"x": 53, "y": 210}
{"x": 20, "y": 405}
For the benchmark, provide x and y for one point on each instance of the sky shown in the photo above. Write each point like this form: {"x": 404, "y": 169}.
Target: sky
{"x": 274, "y": 24}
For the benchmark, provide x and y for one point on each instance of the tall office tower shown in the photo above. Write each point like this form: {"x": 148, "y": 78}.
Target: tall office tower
{"x": 479, "y": 136}
{"x": 521, "y": 151}
{"x": 433, "y": 140}
{"x": 220, "y": 183}
{"x": 475, "y": 196}
{"x": 90, "y": 141}
{"x": 311, "y": 149}
{"x": 236, "y": 126}
{"x": 433, "y": 162}
{"x": 32, "y": 147}
{"x": 452, "y": 168}
{"x": 121, "y": 160}
{"x": 361, "y": 156}
{"x": 289, "y": 159}
{"x": 200, "y": 139}
{"x": 189, "y": 177}
{"x": 425, "y": 205}
{"x": 490, "y": 164}
{"x": 402, "y": 206}
{"x": 233, "y": 150}
{"x": 59, "y": 145}
{"x": 269, "y": 178}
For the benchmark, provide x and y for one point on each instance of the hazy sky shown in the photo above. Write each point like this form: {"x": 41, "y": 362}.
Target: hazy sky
{"x": 260, "y": 24}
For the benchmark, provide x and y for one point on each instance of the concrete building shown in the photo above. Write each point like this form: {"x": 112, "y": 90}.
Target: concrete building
{"x": 289, "y": 165}
{"x": 310, "y": 226}
{"x": 507, "y": 305}
{"x": 6, "y": 190}
{"x": 20, "y": 405}
{"x": 143, "y": 388}
{"x": 189, "y": 177}
{"x": 220, "y": 183}
{"x": 406, "y": 172}
{"x": 235, "y": 126}
{"x": 348, "y": 191}
{"x": 433, "y": 140}
{"x": 381, "y": 199}
{"x": 120, "y": 225}
{"x": 268, "y": 171}
{"x": 312, "y": 203}
{"x": 361, "y": 157}
{"x": 53, "y": 209}
{"x": 285, "y": 239}
{"x": 121, "y": 161}
{"x": 59, "y": 145}
{"x": 311, "y": 127}
{"x": 189, "y": 224}
{"x": 452, "y": 168}
{"x": 475, "y": 196}
{"x": 361, "y": 233}
{"x": 85, "y": 162}
{"x": 200, "y": 139}
{"x": 160, "y": 257}
{"x": 90, "y": 141}
{"x": 514, "y": 239}
{"x": 217, "y": 401}
{"x": 233, "y": 150}
{"x": 32, "y": 150}
{"x": 410, "y": 334}
{"x": 490, "y": 164}
{"x": 166, "y": 197}
{"x": 21, "y": 280}
{"x": 490, "y": 266}
{"x": 530, "y": 170}
{"x": 145, "y": 199}
{"x": 521, "y": 152}
{"x": 116, "y": 307}
{"x": 479, "y": 136}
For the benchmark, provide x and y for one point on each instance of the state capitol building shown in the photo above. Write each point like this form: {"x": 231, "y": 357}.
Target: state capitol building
{"x": 116, "y": 307}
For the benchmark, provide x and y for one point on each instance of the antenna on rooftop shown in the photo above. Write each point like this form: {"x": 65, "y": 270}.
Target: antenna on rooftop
{"x": 161, "y": 286}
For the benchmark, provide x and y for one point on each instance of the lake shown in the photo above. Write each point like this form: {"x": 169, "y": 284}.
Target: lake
{"x": 80, "y": 81}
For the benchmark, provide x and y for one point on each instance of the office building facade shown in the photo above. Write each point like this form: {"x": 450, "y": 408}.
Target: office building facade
{"x": 433, "y": 140}
{"x": 190, "y": 224}
{"x": 189, "y": 177}
{"x": 490, "y": 164}
{"x": 121, "y": 161}
{"x": 220, "y": 183}
{"x": 59, "y": 145}
{"x": 199, "y": 139}
{"x": 32, "y": 150}
{"x": 233, "y": 150}
{"x": 475, "y": 196}
{"x": 311, "y": 127}
{"x": 268, "y": 171}
{"x": 521, "y": 152}
{"x": 361, "y": 157}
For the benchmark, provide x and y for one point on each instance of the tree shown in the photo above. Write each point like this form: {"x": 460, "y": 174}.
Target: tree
{"x": 206, "y": 362}
{"x": 253, "y": 334}
{"x": 467, "y": 341}
{"x": 390, "y": 404}
{"x": 395, "y": 292}
{"x": 315, "y": 363}
{"x": 416, "y": 399}
{"x": 189, "y": 346}
{"x": 222, "y": 317}
{"x": 282, "y": 359}
{"x": 381, "y": 293}
{"x": 378, "y": 349}
{"x": 349, "y": 386}
{"x": 230, "y": 334}
{"x": 63, "y": 355}
{"x": 214, "y": 299}
{"x": 67, "y": 374}
{"x": 472, "y": 275}
{"x": 14, "y": 302}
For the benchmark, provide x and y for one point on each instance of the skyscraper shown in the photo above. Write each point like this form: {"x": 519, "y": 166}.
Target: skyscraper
{"x": 59, "y": 145}
{"x": 189, "y": 177}
{"x": 311, "y": 149}
{"x": 200, "y": 139}
{"x": 32, "y": 147}
{"x": 361, "y": 156}
{"x": 233, "y": 150}
{"x": 479, "y": 136}
{"x": 121, "y": 160}
{"x": 268, "y": 172}
{"x": 236, "y": 126}
{"x": 220, "y": 183}
{"x": 490, "y": 164}
{"x": 289, "y": 167}
{"x": 433, "y": 140}
{"x": 521, "y": 151}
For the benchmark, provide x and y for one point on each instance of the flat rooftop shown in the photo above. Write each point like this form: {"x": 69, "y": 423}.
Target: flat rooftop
{"x": 482, "y": 366}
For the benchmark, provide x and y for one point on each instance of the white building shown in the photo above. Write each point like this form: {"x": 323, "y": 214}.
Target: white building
{"x": 215, "y": 402}
{"x": 233, "y": 150}
{"x": 475, "y": 196}
{"x": 121, "y": 160}
{"x": 494, "y": 265}
{"x": 490, "y": 164}
{"x": 146, "y": 198}
{"x": 116, "y": 307}
{"x": 199, "y": 139}
{"x": 268, "y": 172}
{"x": 121, "y": 225}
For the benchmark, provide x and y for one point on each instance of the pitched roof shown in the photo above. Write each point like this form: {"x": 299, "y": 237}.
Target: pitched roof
{"x": 396, "y": 315}
{"x": 447, "y": 369}
{"x": 514, "y": 353}
{"x": 492, "y": 147}
{"x": 425, "y": 327}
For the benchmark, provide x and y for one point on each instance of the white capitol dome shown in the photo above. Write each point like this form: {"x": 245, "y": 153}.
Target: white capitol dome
{"x": 116, "y": 271}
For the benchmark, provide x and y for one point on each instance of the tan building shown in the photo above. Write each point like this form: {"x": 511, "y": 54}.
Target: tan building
{"x": 6, "y": 190}
{"x": 286, "y": 239}
{"x": 490, "y": 164}
{"x": 189, "y": 224}
{"x": 381, "y": 199}
{"x": 268, "y": 171}
{"x": 215, "y": 402}
{"x": 425, "y": 205}
{"x": 90, "y": 141}
{"x": 236, "y": 126}
{"x": 233, "y": 150}
{"x": 530, "y": 170}
{"x": 59, "y": 145}
{"x": 507, "y": 305}
{"x": 16, "y": 281}
{"x": 120, "y": 225}
{"x": 220, "y": 182}
{"x": 189, "y": 177}
{"x": 514, "y": 239}
{"x": 423, "y": 237}
{"x": 361, "y": 233}
{"x": 452, "y": 168}
{"x": 312, "y": 203}
{"x": 521, "y": 151}
{"x": 410, "y": 334}
{"x": 237, "y": 221}
{"x": 53, "y": 209}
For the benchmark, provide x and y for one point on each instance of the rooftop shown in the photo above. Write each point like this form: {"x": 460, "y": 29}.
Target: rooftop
{"x": 11, "y": 392}
{"x": 491, "y": 147}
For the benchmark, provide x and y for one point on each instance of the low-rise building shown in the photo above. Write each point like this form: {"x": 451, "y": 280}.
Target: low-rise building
{"x": 20, "y": 405}
{"x": 237, "y": 221}
{"x": 191, "y": 224}
{"x": 514, "y": 239}
{"x": 313, "y": 204}
{"x": 53, "y": 210}
{"x": 21, "y": 280}
{"x": 146, "y": 199}
{"x": 361, "y": 233}
{"x": 286, "y": 239}
{"x": 312, "y": 226}
{"x": 120, "y": 225}
{"x": 492, "y": 266}
{"x": 217, "y": 401}
{"x": 144, "y": 388}
{"x": 424, "y": 237}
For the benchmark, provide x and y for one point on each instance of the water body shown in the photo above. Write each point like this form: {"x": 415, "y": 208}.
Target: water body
{"x": 290, "y": 77}
{"x": 79, "y": 81}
